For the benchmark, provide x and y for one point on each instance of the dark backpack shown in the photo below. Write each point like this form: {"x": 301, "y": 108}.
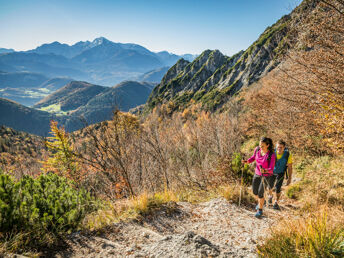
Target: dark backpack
{"x": 286, "y": 151}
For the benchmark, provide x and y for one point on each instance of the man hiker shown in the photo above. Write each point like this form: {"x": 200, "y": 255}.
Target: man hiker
{"x": 283, "y": 168}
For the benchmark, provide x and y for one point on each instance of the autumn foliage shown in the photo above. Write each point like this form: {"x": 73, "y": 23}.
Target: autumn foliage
{"x": 302, "y": 100}
{"x": 125, "y": 157}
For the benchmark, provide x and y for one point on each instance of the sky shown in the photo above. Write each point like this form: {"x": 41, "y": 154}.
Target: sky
{"x": 177, "y": 26}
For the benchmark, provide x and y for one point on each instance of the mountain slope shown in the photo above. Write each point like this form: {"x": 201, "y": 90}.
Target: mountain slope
{"x": 212, "y": 77}
{"x": 185, "y": 79}
{"x": 154, "y": 75}
{"x": 72, "y": 96}
{"x": 55, "y": 83}
{"x": 50, "y": 65}
{"x": 23, "y": 118}
{"x": 124, "y": 96}
{"x": 21, "y": 80}
{"x": 28, "y": 88}
{"x": 17, "y": 143}
{"x": 85, "y": 103}
{"x": 6, "y": 50}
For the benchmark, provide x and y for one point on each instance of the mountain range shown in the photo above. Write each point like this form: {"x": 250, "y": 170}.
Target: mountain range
{"x": 23, "y": 75}
{"x": 100, "y": 61}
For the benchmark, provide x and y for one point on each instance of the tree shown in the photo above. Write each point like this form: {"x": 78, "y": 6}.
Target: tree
{"x": 62, "y": 159}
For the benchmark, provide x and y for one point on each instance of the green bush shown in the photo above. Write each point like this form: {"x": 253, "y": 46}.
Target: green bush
{"x": 293, "y": 191}
{"x": 239, "y": 169}
{"x": 47, "y": 204}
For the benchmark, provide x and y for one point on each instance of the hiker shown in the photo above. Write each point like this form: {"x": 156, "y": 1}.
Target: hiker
{"x": 265, "y": 158}
{"x": 283, "y": 167}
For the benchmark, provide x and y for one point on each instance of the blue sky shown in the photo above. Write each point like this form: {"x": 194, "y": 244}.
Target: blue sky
{"x": 178, "y": 26}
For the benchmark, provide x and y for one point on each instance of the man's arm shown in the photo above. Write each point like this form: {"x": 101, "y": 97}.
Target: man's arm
{"x": 290, "y": 173}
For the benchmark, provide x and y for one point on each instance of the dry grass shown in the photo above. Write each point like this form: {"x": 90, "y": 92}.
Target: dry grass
{"x": 319, "y": 235}
{"x": 236, "y": 194}
{"x": 322, "y": 183}
{"x": 320, "y": 231}
{"x": 148, "y": 203}
{"x": 133, "y": 208}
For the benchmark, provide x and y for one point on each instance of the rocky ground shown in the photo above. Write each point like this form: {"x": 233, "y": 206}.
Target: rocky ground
{"x": 215, "y": 228}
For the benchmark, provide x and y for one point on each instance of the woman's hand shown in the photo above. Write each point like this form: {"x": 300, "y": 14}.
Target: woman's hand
{"x": 244, "y": 161}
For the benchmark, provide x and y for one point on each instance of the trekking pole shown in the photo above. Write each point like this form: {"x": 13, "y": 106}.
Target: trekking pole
{"x": 241, "y": 179}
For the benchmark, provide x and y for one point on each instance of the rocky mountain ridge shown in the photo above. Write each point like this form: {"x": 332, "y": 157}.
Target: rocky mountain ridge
{"x": 213, "y": 77}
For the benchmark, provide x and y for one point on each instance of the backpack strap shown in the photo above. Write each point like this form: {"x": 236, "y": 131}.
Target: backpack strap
{"x": 269, "y": 158}
{"x": 286, "y": 153}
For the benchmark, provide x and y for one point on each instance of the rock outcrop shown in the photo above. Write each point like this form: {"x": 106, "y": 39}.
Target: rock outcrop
{"x": 212, "y": 77}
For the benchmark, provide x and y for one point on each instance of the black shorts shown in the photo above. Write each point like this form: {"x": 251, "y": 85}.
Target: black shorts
{"x": 278, "y": 180}
{"x": 261, "y": 182}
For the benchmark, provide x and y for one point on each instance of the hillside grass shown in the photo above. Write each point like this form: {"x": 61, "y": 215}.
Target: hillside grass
{"x": 321, "y": 182}
{"x": 316, "y": 227}
{"x": 128, "y": 209}
{"x": 318, "y": 235}
{"x": 54, "y": 108}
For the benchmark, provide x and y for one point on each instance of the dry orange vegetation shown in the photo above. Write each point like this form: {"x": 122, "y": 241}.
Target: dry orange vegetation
{"x": 302, "y": 100}
{"x": 20, "y": 152}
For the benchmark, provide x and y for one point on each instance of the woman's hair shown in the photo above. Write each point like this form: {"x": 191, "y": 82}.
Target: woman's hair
{"x": 268, "y": 141}
{"x": 281, "y": 142}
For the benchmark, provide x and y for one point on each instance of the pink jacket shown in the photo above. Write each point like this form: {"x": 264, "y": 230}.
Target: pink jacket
{"x": 263, "y": 161}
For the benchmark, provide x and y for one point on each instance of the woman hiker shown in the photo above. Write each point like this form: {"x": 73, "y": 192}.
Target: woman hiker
{"x": 265, "y": 158}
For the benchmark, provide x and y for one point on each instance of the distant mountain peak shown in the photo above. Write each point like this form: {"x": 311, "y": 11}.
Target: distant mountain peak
{"x": 164, "y": 52}
{"x": 82, "y": 43}
{"x": 100, "y": 40}
{"x": 55, "y": 43}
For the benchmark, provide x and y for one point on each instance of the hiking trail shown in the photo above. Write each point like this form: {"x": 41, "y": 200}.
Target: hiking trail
{"x": 216, "y": 228}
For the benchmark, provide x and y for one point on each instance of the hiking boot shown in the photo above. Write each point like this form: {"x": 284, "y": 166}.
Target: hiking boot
{"x": 259, "y": 214}
{"x": 276, "y": 206}
{"x": 270, "y": 200}
{"x": 257, "y": 206}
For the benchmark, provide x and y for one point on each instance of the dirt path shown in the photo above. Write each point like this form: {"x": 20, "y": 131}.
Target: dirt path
{"x": 212, "y": 229}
